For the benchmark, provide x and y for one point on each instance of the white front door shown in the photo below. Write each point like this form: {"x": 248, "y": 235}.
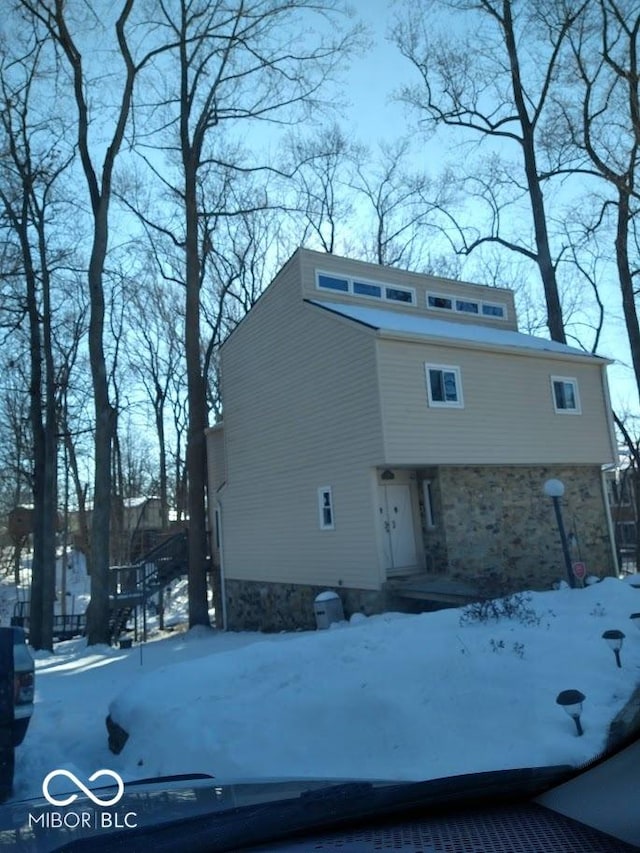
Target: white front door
{"x": 397, "y": 528}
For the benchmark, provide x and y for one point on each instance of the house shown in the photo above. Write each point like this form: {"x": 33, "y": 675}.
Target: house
{"x": 136, "y": 527}
{"x": 387, "y": 435}
{"x": 622, "y": 485}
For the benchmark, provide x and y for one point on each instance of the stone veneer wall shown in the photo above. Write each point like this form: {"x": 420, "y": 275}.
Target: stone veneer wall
{"x": 263, "y": 606}
{"x": 501, "y": 530}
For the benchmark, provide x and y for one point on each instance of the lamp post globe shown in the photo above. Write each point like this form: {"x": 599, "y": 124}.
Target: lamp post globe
{"x": 554, "y": 489}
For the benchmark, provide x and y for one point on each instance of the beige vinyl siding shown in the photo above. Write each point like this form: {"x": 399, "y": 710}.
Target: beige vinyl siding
{"x": 301, "y": 411}
{"x": 311, "y": 261}
{"x": 508, "y": 416}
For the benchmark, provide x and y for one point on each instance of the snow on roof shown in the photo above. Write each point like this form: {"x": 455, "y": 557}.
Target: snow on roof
{"x": 428, "y": 327}
{"x": 138, "y": 501}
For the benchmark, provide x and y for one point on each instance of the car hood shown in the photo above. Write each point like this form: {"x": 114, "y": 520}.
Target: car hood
{"x": 162, "y": 813}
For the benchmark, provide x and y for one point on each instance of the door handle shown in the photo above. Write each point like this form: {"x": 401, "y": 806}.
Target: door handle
{"x": 386, "y": 526}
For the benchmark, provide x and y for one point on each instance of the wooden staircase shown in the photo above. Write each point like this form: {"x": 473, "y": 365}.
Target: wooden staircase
{"x": 130, "y": 587}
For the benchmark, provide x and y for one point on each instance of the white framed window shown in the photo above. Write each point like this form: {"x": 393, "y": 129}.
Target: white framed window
{"x": 370, "y": 289}
{"x": 444, "y": 386}
{"x": 427, "y": 495}
{"x": 331, "y": 282}
{"x": 467, "y": 306}
{"x": 325, "y": 508}
{"x": 494, "y": 309}
{"x": 439, "y": 302}
{"x": 366, "y": 288}
{"x": 564, "y": 391}
{"x": 400, "y": 294}
{"x": 459, "y": 305}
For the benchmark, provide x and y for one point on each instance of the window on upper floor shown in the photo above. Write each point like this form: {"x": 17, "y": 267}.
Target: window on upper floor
{"x": 443, "y": 302}
{"x": 491, "y": 309}
{"x": 566, "y": 400}
{"x": 397, "y": 294}
{"x": 440, "y": 302}
{"x": 467, "y": 306}
{"x": 325, "y": 508}
{"x": 370, "y": 289}
{"x": 364, "y": 288}
{"x": 329, "y": 282}
{"x": 444, "y": 385}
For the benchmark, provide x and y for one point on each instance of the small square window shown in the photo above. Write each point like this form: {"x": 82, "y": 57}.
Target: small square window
{"x": 565, "y": 395}
{"x": 444, "y": 386}
{"x": 325, "y": 508}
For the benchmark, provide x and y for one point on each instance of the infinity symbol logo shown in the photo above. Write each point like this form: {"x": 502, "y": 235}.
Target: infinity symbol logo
{"x": 70, "y": 799}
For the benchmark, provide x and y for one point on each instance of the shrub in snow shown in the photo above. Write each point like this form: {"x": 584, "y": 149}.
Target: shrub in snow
{"x": 515, "y": 607}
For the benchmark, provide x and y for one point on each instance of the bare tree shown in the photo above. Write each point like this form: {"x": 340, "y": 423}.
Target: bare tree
{"x": 494, "y": 83}
{"x": 155, "y": 357}
{"x": 232, "y": 65}
{"x": 73, "y": 399}
{"x": 98, "y": 170}
{"x": 323, "y": 167}
{"x": 401, "y": 206}
{"x": 31, "y": 173}
{"x": 602, "y": 128}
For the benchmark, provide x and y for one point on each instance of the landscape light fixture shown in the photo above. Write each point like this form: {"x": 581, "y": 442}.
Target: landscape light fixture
{"x": 614, "y": 640}
{"x": 554, "y": 489}
{"x": 571, "y": 701}
{"x": 635, "y": 618}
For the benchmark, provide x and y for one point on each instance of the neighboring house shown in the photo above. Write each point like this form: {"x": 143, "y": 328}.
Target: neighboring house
{"x": 621, "y": 481}
{"x": 135, "y": 528}
{"x": 388, "y": 434}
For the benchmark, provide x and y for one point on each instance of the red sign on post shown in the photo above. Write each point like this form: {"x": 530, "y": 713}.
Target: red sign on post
{"x": 579, "y": 570}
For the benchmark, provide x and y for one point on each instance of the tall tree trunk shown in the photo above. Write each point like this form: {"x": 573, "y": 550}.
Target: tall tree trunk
{"x": 545, "y": 263}
{"x": 36, "y": 629}
{"x": 98, "y": 611}
{"x": 162, "y": 450}
{"x": 50, "y": 501}
{"x": 196, "y": 448}
{"x": 626, "y": 281}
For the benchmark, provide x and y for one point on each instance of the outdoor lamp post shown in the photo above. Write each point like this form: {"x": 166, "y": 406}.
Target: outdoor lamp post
{"x": 554, "y": 489}
{"x": 614, "y": 641}
{"x": 571, "y": 701}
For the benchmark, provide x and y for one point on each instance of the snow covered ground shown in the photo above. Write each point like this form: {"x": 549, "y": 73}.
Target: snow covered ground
{"x": 388, "y": 697}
